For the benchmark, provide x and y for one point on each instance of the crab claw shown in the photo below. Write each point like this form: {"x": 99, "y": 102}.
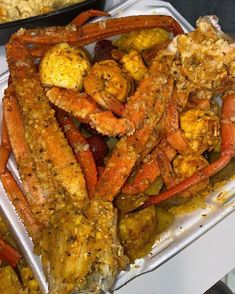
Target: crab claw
{"x": 97, "y": 31}
{"x": 84, "y": 16}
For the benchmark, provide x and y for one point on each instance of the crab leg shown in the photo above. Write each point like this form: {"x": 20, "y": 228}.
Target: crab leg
{"x": 21, "y": 151}
{"x": 9, "y": 254}
{"x": 40, "y": 50}
{"x": 174, "y": 135}
{"x": 165, "y": 168}
{"x": 168, "y": 125}
{"x": 77, "y": 104}
{"x": 227, "y": 152}
{"x": 86, "y": 110}
{"x": 38, "y": 185}
{"x": 11, "y": 186}
{"x": 5, "y": 148}
{"x": 147, "y": 172}
{"x": 81, "y": 149}
{"x": 128, "y": 149}
{"x": 86, "y": 15}
{"x": 35, "y": 107}
{"x": 98, "y": 31}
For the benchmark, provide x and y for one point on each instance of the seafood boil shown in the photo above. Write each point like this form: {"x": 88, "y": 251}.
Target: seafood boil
{"x": 15, "y": 275}
{"x": 150, "y": 94}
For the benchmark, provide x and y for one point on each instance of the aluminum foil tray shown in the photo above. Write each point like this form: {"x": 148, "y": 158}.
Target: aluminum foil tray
{"x": 185, "y": 229}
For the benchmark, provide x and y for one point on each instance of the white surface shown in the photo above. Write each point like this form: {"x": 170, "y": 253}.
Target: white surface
{"x": 196, "y": 268}
{"x": 230, "y": 280}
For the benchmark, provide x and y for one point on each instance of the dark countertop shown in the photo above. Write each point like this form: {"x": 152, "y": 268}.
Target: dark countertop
{"x": 224, "y": 9}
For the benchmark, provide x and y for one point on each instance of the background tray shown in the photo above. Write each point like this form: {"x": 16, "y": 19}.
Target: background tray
{"x": 58, "y": 17}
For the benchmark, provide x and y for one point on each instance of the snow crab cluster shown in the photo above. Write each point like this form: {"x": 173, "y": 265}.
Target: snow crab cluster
{"x": 157, "y": 99}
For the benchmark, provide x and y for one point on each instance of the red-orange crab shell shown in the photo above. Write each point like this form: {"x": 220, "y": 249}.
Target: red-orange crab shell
{"x": 89, "y": 33}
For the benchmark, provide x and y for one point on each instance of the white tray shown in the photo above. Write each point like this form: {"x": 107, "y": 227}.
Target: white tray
{"x": 184, "y": 230}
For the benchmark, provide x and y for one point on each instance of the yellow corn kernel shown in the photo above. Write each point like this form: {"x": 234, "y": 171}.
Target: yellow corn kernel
{"x": 133, "y": 63}
{"x": 143, "y": 39}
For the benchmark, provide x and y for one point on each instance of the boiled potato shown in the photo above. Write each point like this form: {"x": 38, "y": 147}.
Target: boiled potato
{"x": 165, "y": 219}
{"x": 64, "y": 66}
{"x": 126, "y": 203}
{"x": 137, "y": 232}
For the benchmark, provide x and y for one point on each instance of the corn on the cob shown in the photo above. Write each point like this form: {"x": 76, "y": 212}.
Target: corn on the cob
{"x": 143, "y": 39}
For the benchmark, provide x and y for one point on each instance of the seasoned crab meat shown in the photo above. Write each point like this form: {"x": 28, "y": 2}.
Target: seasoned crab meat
{"x": 80, "y": 249}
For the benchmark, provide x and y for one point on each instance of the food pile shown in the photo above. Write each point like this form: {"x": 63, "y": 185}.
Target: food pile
{"x": 16, "y": 277}
{"x": 99, "y": 139}
{"x": 11, "y": 10}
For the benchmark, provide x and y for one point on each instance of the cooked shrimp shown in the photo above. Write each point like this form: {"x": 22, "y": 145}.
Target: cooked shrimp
{"x": 108, "y": 85}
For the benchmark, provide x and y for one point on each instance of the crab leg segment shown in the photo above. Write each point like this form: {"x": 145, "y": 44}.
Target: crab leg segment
{"x": 86, "y": 15}
{"x": 81, "y": 149}
{"x": 5, "y": 148}
{"x": 227, "y": 152}
{"x": 129, "y": 148}
{"x": 38, "y": 184}
{"x": 21, "y": 151}
{"x": 86, "y": 110}
{"x": 98, "y": 31}
{"x": 165, "y": 168}
{"x": 40, "y": 50}
{"x": 77, "y": 104}
{"x": 174, "y": 134}
{"x": 148, "y": 171}
{"x": 11, "y": 186}
{"x": 41, "y": 137}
